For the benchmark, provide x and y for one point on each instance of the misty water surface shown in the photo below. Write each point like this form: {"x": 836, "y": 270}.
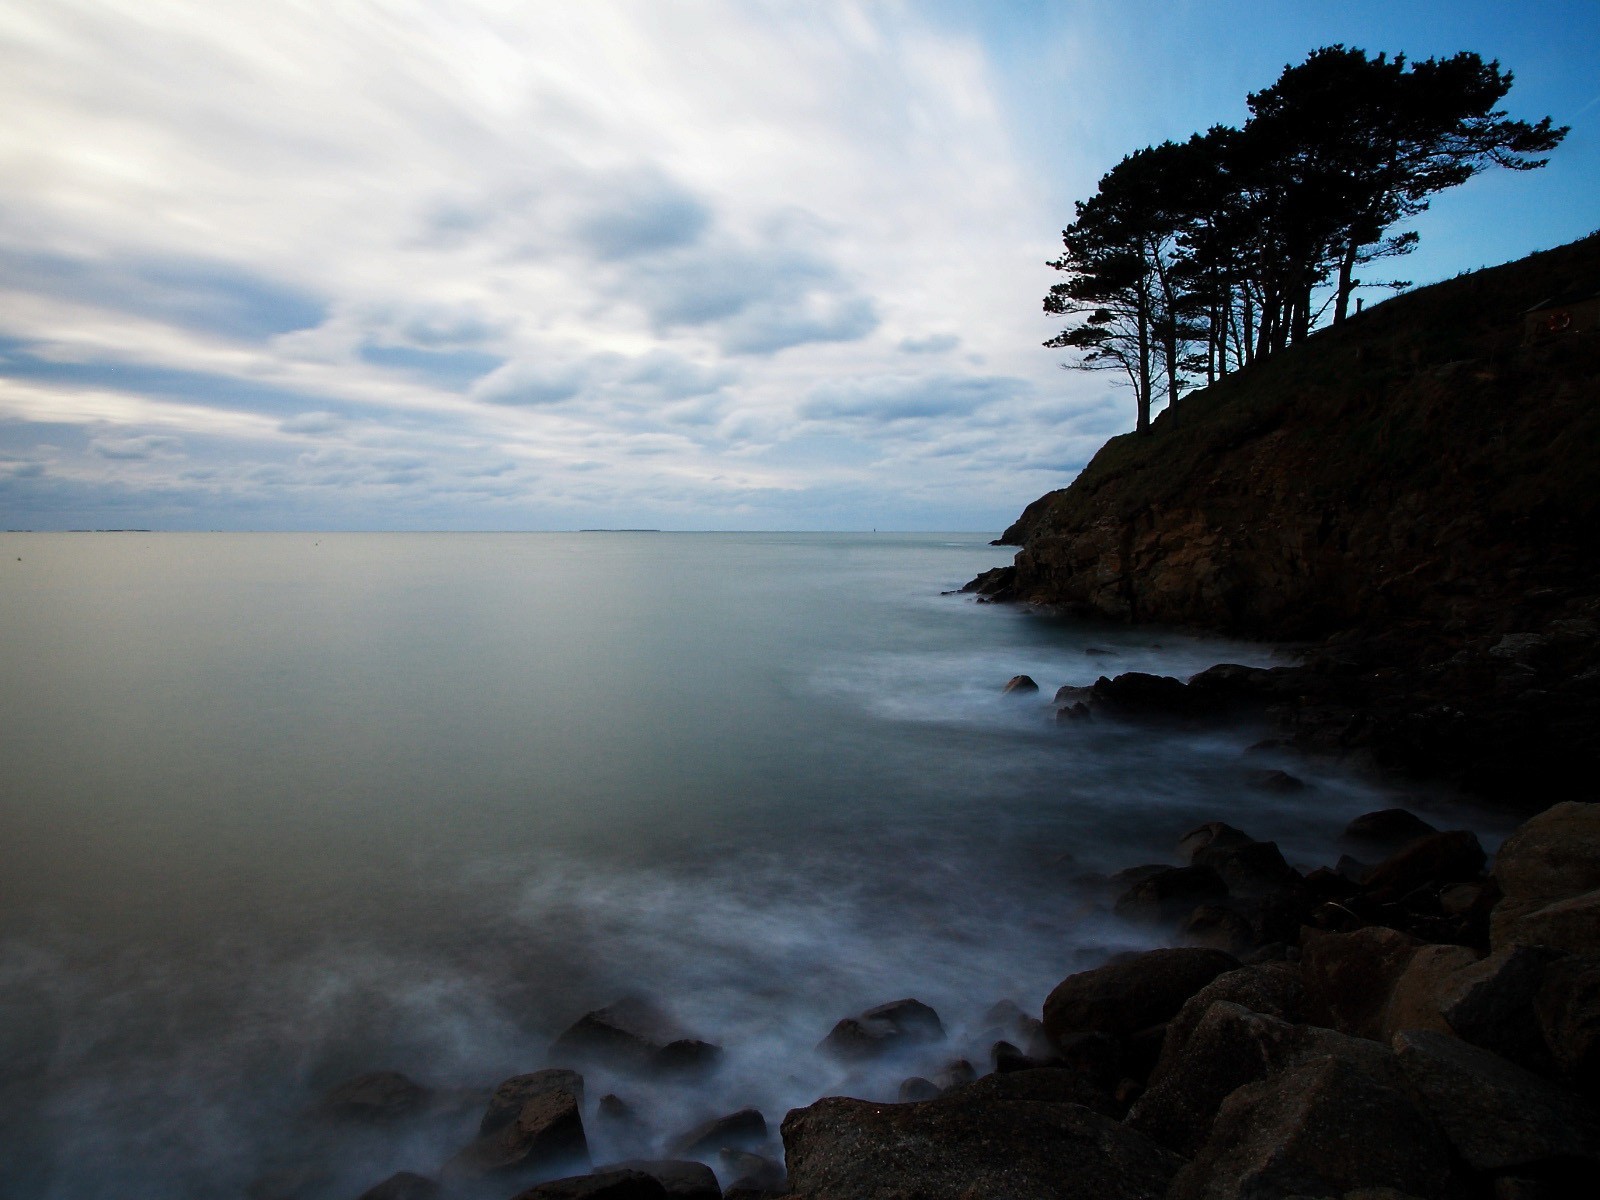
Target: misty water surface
{"x": 278, "y": 809}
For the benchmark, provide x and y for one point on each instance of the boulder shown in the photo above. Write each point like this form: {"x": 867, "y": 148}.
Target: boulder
{"x": 1549, "y": 858}
{"x": 1273, "y": 989}
{"x": 969, "y": 1146}
{"x": 404, "y": 1185}
{"x": 1572, "y": 925}
{"x": 916, "y": 1089}
{"x": 741, "y": 1130}
{"x": 683, "y": 1179}
{"x": 1211, "y": 835}
{"x": 1568, "y": 1008}
{"x": 1138, "y": 695}
{"x": 1497, "y": 1115}
{"x": 686, "y": 1058}
{"x": 376, "y": 1096}
{"x": 883, "y": 1029}
{"x": 1348, "y": 977}
{"x": 1415, "y": 998}
{"x": 601, "y": 1185}
{"x": 752, "y": 1174}
{"x": 1041, "y": 1085}
{"x": 1438, "y": 858}
{"x": 1131, "y": 992}
{"x": 1325, "y": 1128}
{"x": 1251, "y": 869}
{"x": 634, "y": 1034}
{"x": 955, "y": 1071}
{"x": 1168, "y": 896}
{"x": 545, "y": 1134}
{"x": 1073, "y": 712}
{"x": 1019, "y": 685}
{"x": 1491, "y": 1003}
{"x": 508, "y": 1099}
{"x": 1220, "y": 926}
{"x": 1387, "y": 829}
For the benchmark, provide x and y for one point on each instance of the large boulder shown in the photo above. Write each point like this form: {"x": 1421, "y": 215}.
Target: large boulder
{"x": 1568, "y": 1007}
{"x": 1438, "y": 858}
{"x": 1213, "y": 835}
{"x": 1273, "y": 989}
{"x": 683, "y": 1179}
{"x": 885, "y": 1029}
{"x": 1041, "y": 1085}
{"x": 1387, "y": 829}
{"x": 969, "y": 1146}
{"x": 634, "y": 1034}
{"x": 742, "y": 1130}
{"x": 1250, "y": 869}
{"x": 1496, "y": 1114}
{"x": 1325, "y": 1128}
{"x": 1491, "y": 1003}
{"x": 1349, "y": 976}
{"x": 1552, "y": 857}
{"x": 1572, "y": 925}
{"x": 1414, "y": 1001}
{"x": 507, "y": 1099}
{"x": 546, "y": 1133}
{"x": 1167, "y": 896}
{"x": 601, "y": 1185}
{"x": 1131, "y": 992}
{"x": 404, "y": 1185}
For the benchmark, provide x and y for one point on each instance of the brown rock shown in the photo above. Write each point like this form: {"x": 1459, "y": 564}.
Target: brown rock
{"x": 1388, "y": 829}
{"x": 1491, "y": 1003}
{"x": 547, "y": 1133}
{"x": 1414, "y": 1001}
{"x": 966, "y": 1146}
{"x": 1550, "y": 858}
{"x": 1349, "y": 976}
{"x": 1253, "y": 869}
{"x": 1571, "y": 925}
{"x": 741, "y": 1130}
{"x": 626, "y": 1036}
{"x": 1273, "y": 989}
{"x": 1213, "y": 835}
{"x": 1322, "y": 1129}
{"x": 1019, "y": 684}
{"x": 917, "y": 1089}
{"x": 1455, "y": 857}
{"x": 510, "y": 1096}
{"x": 1132, "y": 991}
{"x": 1568, "y": 1008}
{"x": 882, "y": 1030}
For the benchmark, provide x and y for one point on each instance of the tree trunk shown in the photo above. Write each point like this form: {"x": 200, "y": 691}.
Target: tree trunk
{"x": 1142, "y": 388}
{"x": 1347, "y": 283}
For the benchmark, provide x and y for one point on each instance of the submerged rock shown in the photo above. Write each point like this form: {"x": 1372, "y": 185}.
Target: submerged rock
{"x": 741, "y": 1130}
{"x": 885, "y": 1029}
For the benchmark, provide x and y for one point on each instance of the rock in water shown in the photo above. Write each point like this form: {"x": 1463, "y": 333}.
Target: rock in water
{"x": 546, "y": 1133}
{"x": 1019, "y": 684}
{"x": 376, "y": 1096}
{"x": 742, "y": 1130}
{"x": 1388, "y": 829}
{"x": 966, "y": 1146}
{"x": 882, "y": 1030}
{"x": 1132, "y": 991}
{"x": 601, "y": 1185}
{"x": 634, "y": 1034}
{"x": 510, "y": 1096}
{"x": 683, "y": 1179}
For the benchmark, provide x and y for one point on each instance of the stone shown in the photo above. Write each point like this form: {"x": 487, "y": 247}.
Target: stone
{"x": 1414, "y": 1000}
{"x": 686, "y": 1058}
{"x": 1388, "y": 828}
{"x": 1550, "y": 858}
{"x": 741, "y": 1130}
{"x": 1497, "y": 1115}
{"x": 885, "y": 1029}
{"x": 682, "y": 1179}
{"x": 1138, "y": 695}
{"x": 403, "y": 1185}
{"x": 1019, "y": 684}
{"x": 601, "y": 1185}
{"x": 1041, "y": 1085}
{"x": 507, "y": 1100}
{"x": 1491, "y": 1003}
{"x": 1454, "y": 857}
{"x": 1568, "y": 1008}
{"x": 955, "y": 1072}
{"x": 625, "y": 1036}
{"x": 1460, "y": 898}
{"x": 1167, "y": 896}
{"x": 1252, "y": 869}
{"x": 1073, "y": 712}
{"x": 1131, "y": 992}
{"x": 1211, "y": 835}
{"x": 1324, "y": 1128}
{"x": 376, "y": 1096}
{"x": 1273, "y": 989}
{"x": 546, "y": 1134}
{"x": 752, "y": 1173}
{"x": 1571, "y": 925}
{"x": 1221, "y": 927}
{"x": 969, "y": 1146}
{"x": 1349, "y": 977}
{"x": 917, "y": 1088}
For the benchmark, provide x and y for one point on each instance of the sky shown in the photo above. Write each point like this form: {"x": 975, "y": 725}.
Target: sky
{"x": 707, "y": 264}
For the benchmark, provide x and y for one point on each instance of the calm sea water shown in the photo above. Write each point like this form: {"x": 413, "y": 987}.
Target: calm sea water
{"x": 278, "y": 809}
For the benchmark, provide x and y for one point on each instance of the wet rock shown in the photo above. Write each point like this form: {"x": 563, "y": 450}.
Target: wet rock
{"x": 1212, "y": 835}
{"x": 1136, "y": 695}
{"x": 376, "y": 1096}
{"x": 1454, "y": 857}
{"x": 1568, "y": 1010}
{"x": 601, "y": 1185}
{"x": 1349, "y": 976}
{"x": 1167, "y": 896}
{"x": 1067, "y": 694}
{"x": 1252, "y": 869}
{"x": 1325, "y": 1128}
{"x": 741, "y": 1130}
{"x": 682, "y": 1179}
{"x": 614, "y": 1108}
{"x": 404, "y": 1185}
{"x": 1073, "y": 712}
{"x": 752, "y": 1174}
{"x": 994, "y": 584}
{"x": 1132, "y": 991}
{"x": 545, "y": 1134}
{"x": 957, "y": 1071}
{"x": 917, "y": 1088}
{"x": 686, "y": 1058}
{"x": 507, "y": 1100}
{"x": 883, "y": 1029}
{"x": 1004, "y": 1057}
{"x": 969, "y": 1146}
{"x": 628, "y": 1036}
{"x": 1388, "y": 829}
{"x": 1020, "y": 684}
{"x": 1497, "y": 1115}
{"x": 1549, "y": 859}
{"x": 1414, "y": 1001}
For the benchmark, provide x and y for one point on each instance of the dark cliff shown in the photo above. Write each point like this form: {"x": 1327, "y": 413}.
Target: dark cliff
{"x": 1415, "y": 495}
{"x": 1426, "y": 461}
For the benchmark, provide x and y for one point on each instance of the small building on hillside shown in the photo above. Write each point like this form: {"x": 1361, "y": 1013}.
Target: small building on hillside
{"x": 1577, "y": 311}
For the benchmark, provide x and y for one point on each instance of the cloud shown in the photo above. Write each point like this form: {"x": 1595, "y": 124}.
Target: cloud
{"x": 933, "y": 343}
{"x": 909, "y": 398}
{"x": 531, "y": 382}
{"x": 137, "y": 449}
{"x": 641, "y": 217}
{"x": 313, "y": 423}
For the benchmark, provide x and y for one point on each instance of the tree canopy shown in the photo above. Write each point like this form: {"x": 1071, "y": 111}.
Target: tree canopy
{"x": 1194, "y": 259}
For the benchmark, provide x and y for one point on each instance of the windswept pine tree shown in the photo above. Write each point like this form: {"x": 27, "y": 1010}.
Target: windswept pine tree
{"x": 1194, "y": 259}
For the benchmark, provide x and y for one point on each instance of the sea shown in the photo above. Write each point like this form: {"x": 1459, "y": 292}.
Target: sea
{"x": 280, "y": 809}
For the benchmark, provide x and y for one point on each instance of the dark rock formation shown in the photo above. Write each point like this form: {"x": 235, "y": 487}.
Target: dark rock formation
{"x": 544, "y": 1132}
{"x": 634, "y": 1034}
{"x": 741, "y": 1130}
{"x": 882, "y": 1030}
{"x": 1550, "y": 861}
{"x": 376, "y": 1096}
{"x": 683, "y": 1179}
{"x": 1019, "y": 684}
{"x": 1131, "y": 992}
{"x": 602, "y": 1185}
{"x": 1349, "y": 976}
{"x": 1166, "y": 896}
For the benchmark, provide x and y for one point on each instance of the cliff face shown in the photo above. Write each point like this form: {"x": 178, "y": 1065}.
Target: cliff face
{"x": 1429, "y": 462}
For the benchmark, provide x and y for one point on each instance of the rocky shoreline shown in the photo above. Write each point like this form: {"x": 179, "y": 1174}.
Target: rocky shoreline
{"x": 1408, "y": 1021}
